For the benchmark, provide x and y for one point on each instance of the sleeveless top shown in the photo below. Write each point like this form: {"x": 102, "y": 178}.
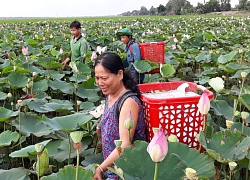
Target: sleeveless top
{"x": 110, "y": 130}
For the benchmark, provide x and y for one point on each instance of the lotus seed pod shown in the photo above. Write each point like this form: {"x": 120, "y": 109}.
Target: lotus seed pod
{"x": 172, "y": 138}
{"x": 20, "y": 103}
{"x": 190, "y": 173}
{"x": 118, "y": 143}
{"x": 237, "y": 113}
{"x": 78, "y": 102}
{"x": 34, "y": 74}
{"x": 39, "y": 147}
{"x": 232, "y": 165}
{"x": 244, "y": 115}
{"x": 229, "y": 124}
{"x": 243, "y": 74}
{"x": 76, "y": 136}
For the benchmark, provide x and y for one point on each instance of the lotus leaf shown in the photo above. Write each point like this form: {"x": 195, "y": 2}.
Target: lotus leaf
{"x": 7, "y": 137}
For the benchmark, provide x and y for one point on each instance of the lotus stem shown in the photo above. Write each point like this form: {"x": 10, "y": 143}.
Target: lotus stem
{"x": 156, "y": 171}
{"x": 230, "y": 175}
{"x": 129, "y": 137}
{"x": 246, "y": 173}
{"x": 77, "y": 163}
{"x": 204, "y": 123}
{"x": 242, "y": 128}
{"x": 19, "y": 121}
{"x": 38, "y": 168}
{"x": 69, "y": 149}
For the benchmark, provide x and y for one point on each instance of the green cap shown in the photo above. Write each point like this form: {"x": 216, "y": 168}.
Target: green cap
{"x": 124, "y": 32}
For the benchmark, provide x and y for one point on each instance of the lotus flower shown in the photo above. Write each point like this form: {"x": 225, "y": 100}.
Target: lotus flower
{"x": 61, "y": 50}
{"x": 217, "y": 84}
{"x": 94, "y": 55}
{"x": 173, "y": 47}
{"x": 176, "y": 40}
{"x": 232, "y": 165}
{"x": 44, "y": 38}
{"x": 25, "y": 51}
{"x": 204, "y": 104}
{"x": 158, "y": 147}
{"x": 98, "y": 111}
{"x": 101, "y": 50}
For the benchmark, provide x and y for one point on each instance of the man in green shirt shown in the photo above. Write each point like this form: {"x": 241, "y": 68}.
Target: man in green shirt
{"x": 78, "y": 45}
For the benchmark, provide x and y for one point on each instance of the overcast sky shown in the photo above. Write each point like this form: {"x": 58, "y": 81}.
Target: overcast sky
{"x": 73, "y": 8}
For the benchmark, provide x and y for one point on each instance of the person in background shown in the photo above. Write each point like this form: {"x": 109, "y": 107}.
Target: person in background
{"x": 78, "y": 45}
{"x": 114, "y": 81}
{"x": 133, "y": 52}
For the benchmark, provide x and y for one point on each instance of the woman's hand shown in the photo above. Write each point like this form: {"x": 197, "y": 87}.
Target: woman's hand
{"x": 98, "y": 174}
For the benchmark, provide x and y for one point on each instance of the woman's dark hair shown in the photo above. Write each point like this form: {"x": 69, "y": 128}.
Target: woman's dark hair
{"x": 113, "y": 63}
{"x": 75, "y": 24}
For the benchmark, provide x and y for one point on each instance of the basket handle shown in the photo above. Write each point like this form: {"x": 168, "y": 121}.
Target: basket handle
{"x": 201, "y": 87}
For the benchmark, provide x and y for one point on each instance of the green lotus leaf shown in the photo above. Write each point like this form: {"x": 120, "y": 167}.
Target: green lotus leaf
{"x": 31, "y": 125}
{"x": 142, "y": 66}
{"x": 3, "y": 95}
{"x": 40, "y": 86}
{"x": 50, "y": 65}
{"x": 7, "y": 137}
{"x": 78, "y": 78}
{"x": 225, "y": 144}
{"x": 90, "y": 94}
{"x": 4, "y": 63}
{"x": 36, "y": 104}
{"x": 59, "y": 149}
{"x": 17, "y": 79}
{"x": 27, "y": 151}
{"x": 83, "y": 68}
{"x": 55, "y": 52}
{"x": 167, "y": 70}
{"x": 223, "y": 59}
{"x": 203, "y": 165}
{"x": 58, "y": 105}
{"x": 65, "y": 87}
{"x": 131, "y": 161}
{"x": 15, "y": 173}
{"x": 68, "y": 123}
{"x": 221, "y": 107}
{"x": 69, "y": 172}
{"x": 31, "y": 42}
{"x": 203, "y": 57}
{"x": 208, "y": 36}
{"x": 89, "y": 84}
{"x": 5, "y": 114}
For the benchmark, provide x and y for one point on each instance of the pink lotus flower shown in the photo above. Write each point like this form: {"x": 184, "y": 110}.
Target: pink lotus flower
{"x": 173, "y": 47}
{"x": 25, "y": 51}
{"x": 94, "y": 55}
{"x": 158, "y": 147}
{"x": 98, "y": 111}
{"x": 44, "y": 38}
{"x": 176, "y": 40}
{"x": 204, "y": 104}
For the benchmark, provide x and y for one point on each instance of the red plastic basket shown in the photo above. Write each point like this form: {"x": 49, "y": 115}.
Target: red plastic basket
{"x": 178, "y": 116}
{"x": 153, "y": 51}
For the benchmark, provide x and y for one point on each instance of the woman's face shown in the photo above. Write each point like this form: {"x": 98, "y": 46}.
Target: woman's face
{"x": 108, "y": 82}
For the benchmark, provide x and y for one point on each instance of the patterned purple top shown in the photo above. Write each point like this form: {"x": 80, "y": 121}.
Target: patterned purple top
{"x": 110, "y": 130}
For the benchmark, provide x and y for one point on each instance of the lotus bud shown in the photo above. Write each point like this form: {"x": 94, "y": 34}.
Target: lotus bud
{"x": 34, "y": 74}
{"x": 236, "y": 113}
{"x": 190, "y": 173}
{"x": 74, "y": 67}
{"x": 229, "y": 124}
{"x": 118, "y": 143}
{"x": 204, "y": 104}
{"x": 232, "y": 165}
{"x": 76, "y": 136}
{"x": 243, "y": 75}
{"x": 20, "y": 103}
{"x": 14, "y": 68}
{"x": 158, "y": 147}
{"x": 240, "y": 51}
{"x": 172, "y": 138}
{"x": 78, "y": 102}
{"x": 9, "y": 95}
{"x": 129, "y": 123}
{"x": 11, "y": 103}
{"x": 25, "y": 51}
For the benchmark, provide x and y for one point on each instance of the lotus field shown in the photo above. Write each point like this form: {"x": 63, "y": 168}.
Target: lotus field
{"x": 45, "y": 111}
